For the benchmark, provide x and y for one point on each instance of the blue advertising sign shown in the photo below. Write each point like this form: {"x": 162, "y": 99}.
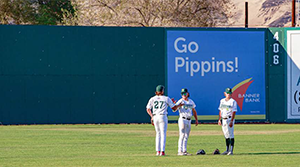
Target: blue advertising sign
{"x": 206, "y": 62}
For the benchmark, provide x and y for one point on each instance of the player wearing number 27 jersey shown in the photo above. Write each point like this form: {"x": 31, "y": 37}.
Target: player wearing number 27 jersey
{"x": 157, "y": 110}
{"x": 159, "y": 105}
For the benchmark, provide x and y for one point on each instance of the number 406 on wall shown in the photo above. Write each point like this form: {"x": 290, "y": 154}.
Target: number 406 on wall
{"x": 276, "y": 49}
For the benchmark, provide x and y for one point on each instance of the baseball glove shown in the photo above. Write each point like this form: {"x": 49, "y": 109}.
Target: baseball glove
{"x": 200, "y": 152}
{"x": 173, "y": 100}
{"x": 217, "y": 151}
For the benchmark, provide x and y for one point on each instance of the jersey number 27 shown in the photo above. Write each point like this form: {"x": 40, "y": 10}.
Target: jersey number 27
{"x": 156, "y": 104}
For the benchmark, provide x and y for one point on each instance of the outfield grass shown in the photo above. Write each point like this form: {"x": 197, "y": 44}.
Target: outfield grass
{"x": 133, "y": 145}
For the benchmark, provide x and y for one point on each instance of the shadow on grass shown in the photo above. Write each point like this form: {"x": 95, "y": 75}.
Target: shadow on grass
{"x": 268, "y": 153}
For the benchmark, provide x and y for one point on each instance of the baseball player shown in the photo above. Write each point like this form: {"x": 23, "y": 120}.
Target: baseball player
{"x": 227, "y": 108}
{"x": 184, "y": 121}
{"x": 159, "y": 105}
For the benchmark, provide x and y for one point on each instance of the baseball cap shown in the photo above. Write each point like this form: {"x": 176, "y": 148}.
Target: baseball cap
{"x": 184, "y": 90}
{"x": 228, "y": 91}
{"x": 160, "y": 88}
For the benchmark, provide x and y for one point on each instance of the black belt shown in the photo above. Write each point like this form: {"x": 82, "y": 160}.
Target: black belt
{"x": 159, "y": 114}
{"x": 227, "y": 118}
{"x": 186, "y": 118}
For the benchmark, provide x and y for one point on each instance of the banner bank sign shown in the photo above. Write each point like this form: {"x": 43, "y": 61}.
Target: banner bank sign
{"x": 206, "y": 62}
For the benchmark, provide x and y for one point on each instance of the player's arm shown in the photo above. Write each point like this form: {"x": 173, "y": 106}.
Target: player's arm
{"x": 177, "y": 106}
{"x": 220, "y": 114}
{"x": 176, "y": 103}
{"x": 195, "y": 115}
{"x": 219, "y": 122}
{"x": 150, "y": 114}
{"x": 232, "y": 118}
{"x": 234, "y": 110}
{"x": 148, "y": 107}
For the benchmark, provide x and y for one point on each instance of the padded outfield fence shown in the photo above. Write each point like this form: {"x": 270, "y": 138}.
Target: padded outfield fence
{"x": 66, "y": 75}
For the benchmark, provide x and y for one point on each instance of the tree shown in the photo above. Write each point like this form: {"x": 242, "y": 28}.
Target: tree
{"x": 43, "y": 12}
{"x": 147, "y": 13}
{"x": 51, "y": 12}
{"x": 16, "y": 12}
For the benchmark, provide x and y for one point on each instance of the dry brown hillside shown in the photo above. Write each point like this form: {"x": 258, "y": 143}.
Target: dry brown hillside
{"x": 183, "y": 13}
{"x": 265, "y": 13}
{"x": 153, "y": 13}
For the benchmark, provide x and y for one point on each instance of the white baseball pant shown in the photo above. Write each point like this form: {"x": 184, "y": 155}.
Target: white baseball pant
{"x": 184, "y": 132}
{"x": 161, "y": 125}
{"x": 228, "y": 131}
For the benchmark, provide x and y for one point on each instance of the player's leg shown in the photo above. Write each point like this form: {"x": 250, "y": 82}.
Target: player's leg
{"x": 231, "y": 146}
{"x": 157, "y": 138}
{"x": 163, "y": 128}
{"x": 186, "y": 136}
{"x": 231, "y": 137}
{"x": 227, "y": 141}
{"x": 181, "y": 135}
{"x": 225, "y": 129}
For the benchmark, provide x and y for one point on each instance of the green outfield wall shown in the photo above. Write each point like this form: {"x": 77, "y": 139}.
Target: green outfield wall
{"x": 77, "y": 75}
{"x": 276, "y": 65}
{"x": 53, "y": 75}
{"x": 292, "y": 73}
{"x": 283, "y": 75}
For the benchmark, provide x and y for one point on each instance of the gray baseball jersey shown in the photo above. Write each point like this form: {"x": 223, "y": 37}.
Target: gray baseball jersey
{"x": 186, "y": 109}
{"x": 227, "y": 107}
{"x": 159, "y": 104}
